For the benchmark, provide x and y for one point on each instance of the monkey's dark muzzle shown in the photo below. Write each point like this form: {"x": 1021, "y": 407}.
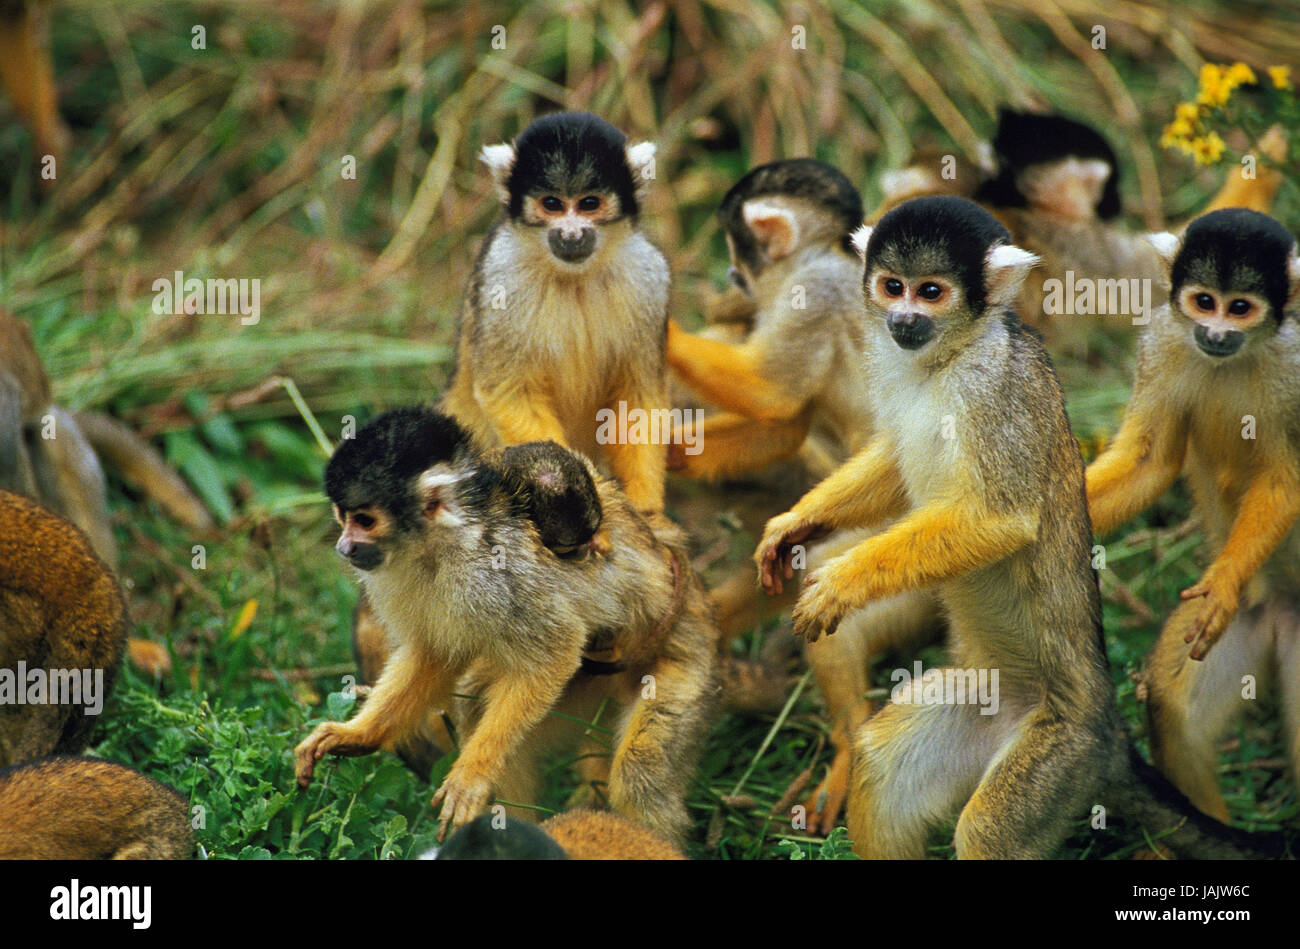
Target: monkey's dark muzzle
{"x": 910, "y": 330}
{"x": 1218, "y": 344}
{"x": 361, "y": 556}
{"x": 572, "y": 250}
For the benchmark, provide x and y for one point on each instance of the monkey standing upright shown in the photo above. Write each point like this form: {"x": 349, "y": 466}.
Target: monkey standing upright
{"x": 61, "y": 612}
{"x": 565, "y": 314}
{"x": 454, "y": 567}
{"x": 797, "y": 381}
{"x": 1216, "y": 397}
{"x": 992, "y": 511}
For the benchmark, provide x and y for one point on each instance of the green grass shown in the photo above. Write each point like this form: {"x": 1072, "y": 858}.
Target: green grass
{"x": 225, "y": 162}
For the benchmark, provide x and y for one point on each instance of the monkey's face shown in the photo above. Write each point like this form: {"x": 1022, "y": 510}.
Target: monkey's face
{"x": 569, "y": 177}
{"x": 433, "y": 514}
{"x": 365, "y": 534}
{"x": 740, "y": 274}
{"x": 914, "y": 307}
{"x": 1222, "y": 322}
{"x": 936, "y": 262}
{"x": 573, "y": 224}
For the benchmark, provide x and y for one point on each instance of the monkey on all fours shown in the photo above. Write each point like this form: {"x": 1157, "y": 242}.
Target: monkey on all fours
{"x": 991, "y": 511}
{"x": 51, "y": 455}
{"x": 565, "y": 314}
{"x": 1216, "y": 398}
{"x": 62, "y": 632}
{"x": 64, "y": 808}
{"x": 475, "y": 604}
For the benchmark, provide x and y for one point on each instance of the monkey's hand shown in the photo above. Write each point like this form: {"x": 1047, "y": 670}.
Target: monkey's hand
{"x": 1220, "y": 606}
{"x": 782, "y": 543}
{"x": 331, "y": 738}
{"x": 463, "y": 797}
{"x": 820, "y": 607}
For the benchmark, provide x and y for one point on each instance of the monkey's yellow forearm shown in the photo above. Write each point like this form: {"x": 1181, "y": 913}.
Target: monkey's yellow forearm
{"x": 863, "y": 491}
{"x": 1266, "y": 515}
{"x": 729, "y": 377}
{"x": 640, "y": 466}
{"x": 731, "y": 445}
{"x": 931, "y": 545}
{"x": 513, "y": 705}
{"x": 411, "y": 684}
{"x": 1131, "y": 474}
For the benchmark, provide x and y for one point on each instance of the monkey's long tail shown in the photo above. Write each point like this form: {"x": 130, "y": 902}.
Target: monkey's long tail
{"x": 137, "y": 462}
{"x": 1150, "y": 801}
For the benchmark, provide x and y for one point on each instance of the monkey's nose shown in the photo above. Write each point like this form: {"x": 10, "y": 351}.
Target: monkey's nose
{"x": 361, "y": 556}
{"x": 910, "y": 330}
{"x": 1218, "y": 344}
{"x": 572, "y": 249}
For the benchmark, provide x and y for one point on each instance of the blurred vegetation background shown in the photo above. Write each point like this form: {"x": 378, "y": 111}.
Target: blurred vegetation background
{"x": 226, "y": 159}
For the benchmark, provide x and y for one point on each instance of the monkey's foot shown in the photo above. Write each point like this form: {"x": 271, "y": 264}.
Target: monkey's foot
{"x": 462, "y": 798}
{"x": 329, "y": 738}
{"x": 826, "y": 802}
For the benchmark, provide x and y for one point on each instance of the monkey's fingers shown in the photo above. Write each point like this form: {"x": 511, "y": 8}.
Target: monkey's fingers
{"x": 1208, "y": 629}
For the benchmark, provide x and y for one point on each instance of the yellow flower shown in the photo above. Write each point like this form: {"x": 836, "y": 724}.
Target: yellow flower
{"x": 1208, "y": 149}
{"x": 1238, "y": 74}
{"x": 1281, "y": 76}
{"x": 1181, "y": 128}
{"x": 1213, "y": 91}
{"x": 1188, "y": 111}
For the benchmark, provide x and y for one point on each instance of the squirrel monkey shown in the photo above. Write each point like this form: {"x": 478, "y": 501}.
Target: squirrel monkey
{"x": 565, "y": 314}
{"x": 51, "y": 455}
{"x": 1216, "y": 398}
{"x": 62, "y": 627}
{"x": 798, "y": 373}
{"x": 64, "y": 808}
{"x": 454, "y": 567}
{"x": 574, "y": 835}
{"x": 991, "y": 511}
{"x": 788, "y": 225}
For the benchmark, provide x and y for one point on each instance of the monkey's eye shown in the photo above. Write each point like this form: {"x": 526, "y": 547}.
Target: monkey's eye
{"x": 552, "y": 203}
{"x": 1204, "y": 301}
{"x": 930, "y": 291}
{"x": 1239, "y": 307}
{"x": 589, "y": 203}
{"x": 364, "y": 521}
{"x": 894, "y": 287}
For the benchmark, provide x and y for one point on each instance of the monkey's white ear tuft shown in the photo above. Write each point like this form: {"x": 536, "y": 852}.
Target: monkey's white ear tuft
{"x": 499, "y": 159}
{"x": 860, "y": 238}
{"x": 641, "y": 162}
{"x": 1005, "y": 269}
{"x": 775, "y": 227}
{"x": 1166, "y": 245}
